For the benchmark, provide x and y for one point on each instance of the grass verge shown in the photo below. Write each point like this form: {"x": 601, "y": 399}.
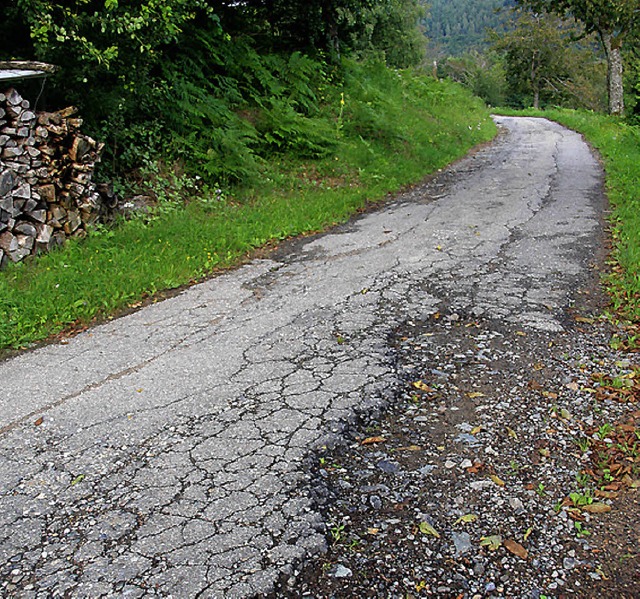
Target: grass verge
{"x": 619, "y": 146}
{"x": 391, "y": 128}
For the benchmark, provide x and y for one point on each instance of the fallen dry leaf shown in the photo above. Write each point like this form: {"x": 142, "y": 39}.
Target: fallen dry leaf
{"x": 77, "y": 479}
{"x": 466, "y": 519}
{"x": 422, "y": 386}
{"x": 372, "y": 440}
{"x": 517, "y": 549}
{"x": 535, "y": 385}
{"x": 475, "y": 394}
{"x": 606, "y": 494}
{"x": 597, "y": 508}
{"x": 493, "y": 542}
{"x": 575, "y": 514}
{"x": 585, "y": 320}
{"x": 427, "y": 529}
{"x": 409, "y": 448}
{"x": 497, "y": 480}
{"x": 565, "y": 414}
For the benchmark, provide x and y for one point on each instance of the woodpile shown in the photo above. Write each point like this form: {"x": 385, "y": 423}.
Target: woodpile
{"x": 46, "y": 188}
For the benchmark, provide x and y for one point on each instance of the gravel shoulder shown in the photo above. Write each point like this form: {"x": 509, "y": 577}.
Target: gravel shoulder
{"x": 482, "y": 479}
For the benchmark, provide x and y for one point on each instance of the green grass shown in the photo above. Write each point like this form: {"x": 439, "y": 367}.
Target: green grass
{"x": 619, "y": 146}
{"x": 395, "y": 128}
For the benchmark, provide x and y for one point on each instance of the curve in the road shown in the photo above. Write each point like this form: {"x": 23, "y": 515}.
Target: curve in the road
{"x": 169, "y": 458}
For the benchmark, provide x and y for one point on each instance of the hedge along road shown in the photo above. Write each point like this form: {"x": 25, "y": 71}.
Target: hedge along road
{"x": 167, "y": 452}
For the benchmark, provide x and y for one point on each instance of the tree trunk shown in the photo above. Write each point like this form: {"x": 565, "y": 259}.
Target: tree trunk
{"x": 614, "y": 73}
{"x": 535, "y": 84}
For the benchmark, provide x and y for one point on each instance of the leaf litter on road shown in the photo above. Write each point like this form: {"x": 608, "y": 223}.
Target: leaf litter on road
{"x": 504, "y": 515}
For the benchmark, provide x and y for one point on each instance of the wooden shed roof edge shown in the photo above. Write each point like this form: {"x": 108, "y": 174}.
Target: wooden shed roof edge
{"x": 27, "y": 65}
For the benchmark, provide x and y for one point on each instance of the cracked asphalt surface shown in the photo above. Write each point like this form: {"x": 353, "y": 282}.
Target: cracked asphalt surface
{"x": 167, "y": 452}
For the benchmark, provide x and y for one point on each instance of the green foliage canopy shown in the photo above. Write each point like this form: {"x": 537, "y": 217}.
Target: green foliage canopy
{"x": 545, "y": 64}
{"x": 612, "y": 20}
{"x": 111, "y": 34}
{"x": 617, "y": 17}
{"x": 220, "y": 84}
{"x": 332, "y": 27}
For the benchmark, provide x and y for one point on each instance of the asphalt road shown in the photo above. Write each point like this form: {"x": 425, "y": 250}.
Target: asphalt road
{"x": 165, "y": 452}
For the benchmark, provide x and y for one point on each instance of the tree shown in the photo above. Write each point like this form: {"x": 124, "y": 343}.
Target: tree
{"x": 331, "y": 27}
{"x": 533, "y": 54}
{"x": 110, "y": 55}
{"x": 544, "y": 63}
{"x": 482, "y": 73}
{"x": 391, "y": 26}
{"x": 102, "y": 47}
{"x": 289, "y": 25}
{"x": 612, "y": 21}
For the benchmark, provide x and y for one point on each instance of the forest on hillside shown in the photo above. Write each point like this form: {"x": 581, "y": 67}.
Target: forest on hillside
{"x": 454, "y": 27}
{"x": 541, "y": 53}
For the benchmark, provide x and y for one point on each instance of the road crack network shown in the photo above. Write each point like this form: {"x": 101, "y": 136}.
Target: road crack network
{"x": 174, "y": 453}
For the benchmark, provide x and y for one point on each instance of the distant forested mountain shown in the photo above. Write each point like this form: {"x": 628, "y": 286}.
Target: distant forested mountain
{"x": 454, "y": 27}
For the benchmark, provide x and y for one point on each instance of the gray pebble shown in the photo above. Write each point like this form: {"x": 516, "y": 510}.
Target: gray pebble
{"x": 341, "y": 571}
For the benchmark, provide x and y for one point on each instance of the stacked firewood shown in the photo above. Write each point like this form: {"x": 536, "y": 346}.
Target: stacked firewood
{"x": 46, "y": 169}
